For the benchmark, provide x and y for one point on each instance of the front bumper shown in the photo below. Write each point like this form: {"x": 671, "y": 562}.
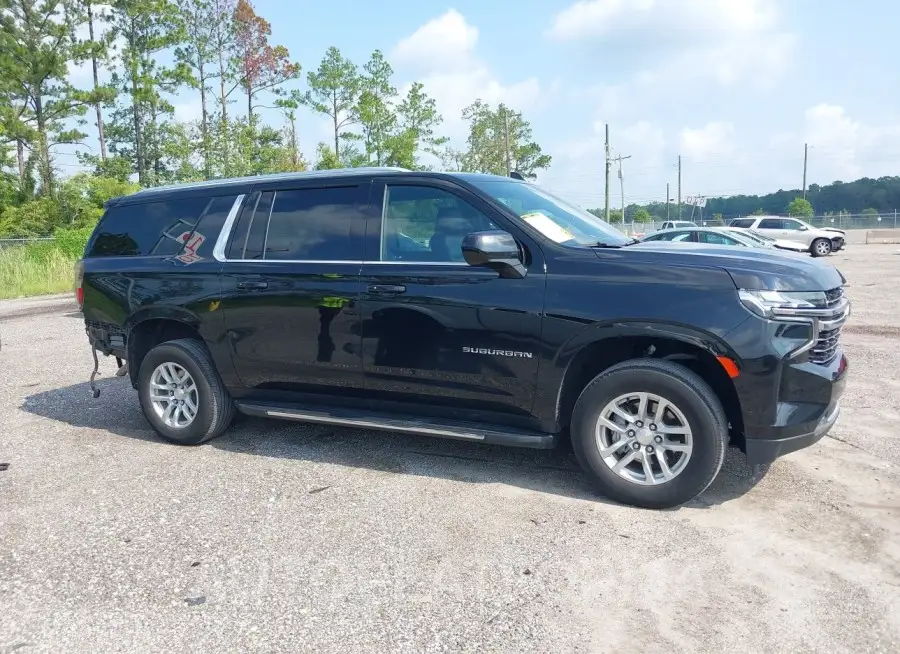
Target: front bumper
{"x": 808, "y": 407}
{"x": 761, "y": 451}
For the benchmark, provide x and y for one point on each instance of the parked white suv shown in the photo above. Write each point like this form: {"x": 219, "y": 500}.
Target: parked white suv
{"x": 821, "y": 241}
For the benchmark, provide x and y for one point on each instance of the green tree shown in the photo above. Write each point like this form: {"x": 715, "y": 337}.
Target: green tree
{"x": 198, "y": 54}
{"x": 870, "y": 212}
{"x": 758, "y": 212}
{"x": 334, "y": 90}
{"x": 641, "y": 215}
{"x": 39, "y": 104}
{"x": 417, "y": 120}
{"x": 718, "y": 219}
{"x": 800, "y": 207}
{"x": 490, "y": 131}
{"x": 147, "y": 27}
{"x": 96, "y": 49}
{"x": 374, "y": 109}
{"x": 326, "y": 159}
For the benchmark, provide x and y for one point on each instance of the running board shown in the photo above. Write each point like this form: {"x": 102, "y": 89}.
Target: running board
{"x": 468, "y": 431}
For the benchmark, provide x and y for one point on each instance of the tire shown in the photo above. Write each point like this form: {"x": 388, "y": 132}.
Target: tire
{"x": 698, "y": 406}
{"x": 214, "y": 407}
{"x": 821, "y": 247}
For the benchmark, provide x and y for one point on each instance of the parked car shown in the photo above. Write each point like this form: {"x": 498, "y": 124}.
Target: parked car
{"x": 767, "y": 241}
{"x": 721, "y": 236}
{"x": 820, "y": 241}
{"x": 675, "y": 224}
{"x": 499, "y": 314}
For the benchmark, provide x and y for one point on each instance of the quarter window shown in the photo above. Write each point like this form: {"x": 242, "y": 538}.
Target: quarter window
{"x": 425, "y": 224}
{"x": 149, "y": 228}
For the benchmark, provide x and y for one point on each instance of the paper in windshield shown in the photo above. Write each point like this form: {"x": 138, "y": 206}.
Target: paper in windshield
{"x": 547, "y": 227}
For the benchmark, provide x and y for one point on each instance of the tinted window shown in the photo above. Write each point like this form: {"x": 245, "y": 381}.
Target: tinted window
{"x": 427, "y": 224}
{"x": 675, "y": 236}
{"x": 744, "y": 223}
{"x": 314, "y": 224}
{"x": 242, "y": 226}
{"x": 772, "y": 223}
{"x": 256, "y": 236}
{"x": 199, "y": 244}
{"x": 152, "y": 228}
{"x": 715, "y": 239}
{"x": 791, "y": 224}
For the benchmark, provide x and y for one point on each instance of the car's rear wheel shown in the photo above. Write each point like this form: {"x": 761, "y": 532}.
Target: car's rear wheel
{"x": 649, "y": 433}
{"x": 182, "y": 395}
{"x": 821, "y": 247}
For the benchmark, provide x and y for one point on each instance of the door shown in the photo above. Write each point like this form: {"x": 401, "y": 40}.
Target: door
{"x": 291, "y": 285}
{"x": 775, "y": 227}
{"x": 437, "y": 331}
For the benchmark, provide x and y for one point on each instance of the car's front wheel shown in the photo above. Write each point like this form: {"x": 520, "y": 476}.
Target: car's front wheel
{"x": 649, "y": 433}
{"x": 821, "y": 247}
{"x": 182, "y": 395}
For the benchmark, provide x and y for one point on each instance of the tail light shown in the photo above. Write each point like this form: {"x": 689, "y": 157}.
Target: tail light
{"x": 79, "y": 283}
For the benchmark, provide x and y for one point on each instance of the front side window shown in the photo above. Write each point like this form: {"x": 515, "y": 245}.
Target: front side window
{"x": 714, "y": 238}
{"x": 312, "y": 224}
{"x": 789, "y": 223}
{"x": 674, "y": 236}
{"x": 556, "y": 219}
{"x": 426, "y": 224}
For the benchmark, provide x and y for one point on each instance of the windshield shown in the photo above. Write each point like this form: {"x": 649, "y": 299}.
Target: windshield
{"x": 554, "y": 218}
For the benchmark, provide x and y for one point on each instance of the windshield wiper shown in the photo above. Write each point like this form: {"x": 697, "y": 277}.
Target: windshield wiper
{"x": 612, "y": 246}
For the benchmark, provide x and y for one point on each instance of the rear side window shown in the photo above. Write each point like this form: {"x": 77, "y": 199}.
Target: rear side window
{"x": 315, "y": 224}
{"x": 772, "y": 223}
{"x": 148, "y": 229}
{"x": 743, "y": 223}
{"x": 199, "y": 244}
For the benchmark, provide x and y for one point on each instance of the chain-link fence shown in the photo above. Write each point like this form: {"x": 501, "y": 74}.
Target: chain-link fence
{"x": 841, "y": 221}
{"x": 9, "y": 242}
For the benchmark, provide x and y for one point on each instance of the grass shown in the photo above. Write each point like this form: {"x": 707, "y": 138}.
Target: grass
{"x": 38, "y": 269}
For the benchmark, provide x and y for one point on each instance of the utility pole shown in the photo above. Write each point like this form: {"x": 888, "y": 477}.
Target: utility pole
{"x": 668, "y": 200}
{"x": 619, "y": 160}
{"x": 506, "y": 135}
{"x": 805, "y": 153}
{"x": 607, "y": 175}
{"x": 679, "y": 187}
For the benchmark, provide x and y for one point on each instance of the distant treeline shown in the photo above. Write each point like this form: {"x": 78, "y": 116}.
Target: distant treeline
{"x": 865, "y": 195}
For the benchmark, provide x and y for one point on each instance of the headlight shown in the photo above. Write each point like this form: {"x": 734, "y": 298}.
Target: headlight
{"x": 782, "y": 304}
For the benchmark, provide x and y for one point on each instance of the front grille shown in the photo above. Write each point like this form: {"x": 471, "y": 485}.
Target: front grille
{"x": 834, "y": 296}
{"x": 826, "y": 347}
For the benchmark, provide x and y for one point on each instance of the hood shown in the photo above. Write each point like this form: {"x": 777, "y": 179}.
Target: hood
{"x": 750, "y": 268}
{"x": 790, "y": 245}
{"x": 832, "y": 229}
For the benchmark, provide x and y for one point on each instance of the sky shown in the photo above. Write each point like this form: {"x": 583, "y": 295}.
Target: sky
{"x": 735, "y": 87}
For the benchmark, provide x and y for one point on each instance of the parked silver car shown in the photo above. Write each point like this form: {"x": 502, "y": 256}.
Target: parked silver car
{"x": 821, "y": 241}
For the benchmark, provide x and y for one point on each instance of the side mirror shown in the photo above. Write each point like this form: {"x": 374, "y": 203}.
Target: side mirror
{"x": 497, "y": 250}
{"x": 804, "y": 228}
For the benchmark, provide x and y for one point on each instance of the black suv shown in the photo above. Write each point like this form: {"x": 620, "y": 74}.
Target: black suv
{"x": 464, "y": 306}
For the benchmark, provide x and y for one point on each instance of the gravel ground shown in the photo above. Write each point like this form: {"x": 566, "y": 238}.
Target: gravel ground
{"x": 289, "y": 537}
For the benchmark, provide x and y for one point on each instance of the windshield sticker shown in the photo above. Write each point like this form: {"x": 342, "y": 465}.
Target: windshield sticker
{"x": 547, "y": 227}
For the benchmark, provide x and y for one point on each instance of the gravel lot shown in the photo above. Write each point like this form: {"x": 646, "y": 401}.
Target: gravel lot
{"x": 289, "y": 537}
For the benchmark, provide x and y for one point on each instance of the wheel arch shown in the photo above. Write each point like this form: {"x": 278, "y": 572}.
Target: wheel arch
{"x": 146, "y": 329}
{"x": 602, "y": 348}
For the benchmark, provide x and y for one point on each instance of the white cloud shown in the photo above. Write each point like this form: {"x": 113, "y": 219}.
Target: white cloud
{"x": 442, "y": 55}
{"x": 679, "y": 42}
{"x": 446, "y": 43}
{"x": 713, "y": 139}
{"x": 683, "y": 20}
